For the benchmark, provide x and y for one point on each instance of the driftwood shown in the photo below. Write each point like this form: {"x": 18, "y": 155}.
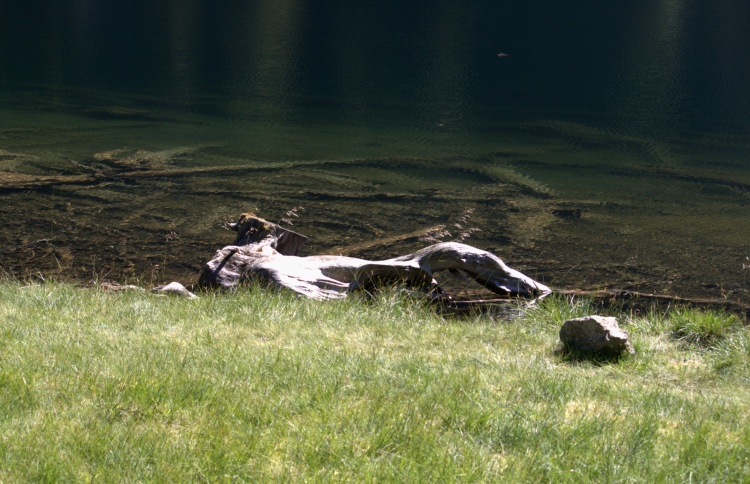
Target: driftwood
{"x": 270, "y": 253}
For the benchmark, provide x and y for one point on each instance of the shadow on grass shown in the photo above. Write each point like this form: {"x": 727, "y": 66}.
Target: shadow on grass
{"x": 597, "y": 358}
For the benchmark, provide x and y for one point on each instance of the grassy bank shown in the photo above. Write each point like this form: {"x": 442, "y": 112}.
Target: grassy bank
{"x": 260, "y": 385}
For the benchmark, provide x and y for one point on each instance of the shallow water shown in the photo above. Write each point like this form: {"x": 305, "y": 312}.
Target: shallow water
{"x": 605, "y": 150}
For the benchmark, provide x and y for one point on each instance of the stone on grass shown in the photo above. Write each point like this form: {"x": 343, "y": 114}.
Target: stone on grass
{"x": 595, "y": 334}
{"x": 177, "y": 289}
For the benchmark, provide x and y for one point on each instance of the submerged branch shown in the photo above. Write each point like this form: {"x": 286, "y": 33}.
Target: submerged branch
{"x": 635, "y": 297}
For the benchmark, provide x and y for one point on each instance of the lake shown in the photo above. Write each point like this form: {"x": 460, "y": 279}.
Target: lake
{"x": 590, "y": 145}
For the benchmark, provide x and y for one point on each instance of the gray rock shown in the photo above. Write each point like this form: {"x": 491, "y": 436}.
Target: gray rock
{"x": 595, "y": 334}
{"x": 177, "y": 289}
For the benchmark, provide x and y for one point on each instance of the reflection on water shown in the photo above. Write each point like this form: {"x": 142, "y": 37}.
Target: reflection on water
{"x": 608, "y": 148}
{"x": 653, "y": 84}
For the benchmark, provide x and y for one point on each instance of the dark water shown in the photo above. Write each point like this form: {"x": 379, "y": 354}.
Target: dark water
{"x": 599, "y": 144}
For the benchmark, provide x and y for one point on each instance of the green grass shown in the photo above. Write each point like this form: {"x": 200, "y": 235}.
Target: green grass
{"x": 702, "y": 327}
{"x": 262, "y": 386}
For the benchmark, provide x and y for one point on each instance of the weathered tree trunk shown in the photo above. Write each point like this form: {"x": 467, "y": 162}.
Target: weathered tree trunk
{"x": 268, "y": 252}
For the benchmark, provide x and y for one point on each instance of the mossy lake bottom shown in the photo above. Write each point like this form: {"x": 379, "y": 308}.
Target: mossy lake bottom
{"x": 108, "y": 190}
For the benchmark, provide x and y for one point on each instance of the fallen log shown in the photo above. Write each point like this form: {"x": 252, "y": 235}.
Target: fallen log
{"x": 270, "y": 253}
{"x": 267, "y": 252}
